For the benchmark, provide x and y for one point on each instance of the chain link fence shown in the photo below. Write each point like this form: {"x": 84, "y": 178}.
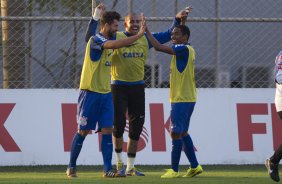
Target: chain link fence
{"x": 235, "y": 41}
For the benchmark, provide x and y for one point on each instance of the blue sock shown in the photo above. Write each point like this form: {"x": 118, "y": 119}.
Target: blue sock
{"x": 189, "y": 151}
{"x": 107, "y": 151}
{"x": 175, "y": 154}
{"x": 75, "y": 148}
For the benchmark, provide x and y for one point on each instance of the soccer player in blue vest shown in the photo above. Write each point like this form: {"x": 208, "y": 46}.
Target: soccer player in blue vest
{"x": 128, "y": 86}
{"x": 95, "y": 98}
{"x": 182, "y": 98}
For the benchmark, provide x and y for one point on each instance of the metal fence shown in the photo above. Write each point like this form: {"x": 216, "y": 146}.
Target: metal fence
{"x": 235, "y": 41}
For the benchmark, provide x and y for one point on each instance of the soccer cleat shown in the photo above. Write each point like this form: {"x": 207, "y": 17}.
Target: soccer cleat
{"x": 170, "y": 173}
{"x": 272, "y": 170}
{"x": 110, "y": 174}
{"x": 71, "y": 172}
{"x": 120, "y": 169}
{"x": 134, "y": 172}
{"x": 191, "y": 172}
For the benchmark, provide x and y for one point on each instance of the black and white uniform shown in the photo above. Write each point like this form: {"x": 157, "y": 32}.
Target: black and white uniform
{"x": 278, "y": 79}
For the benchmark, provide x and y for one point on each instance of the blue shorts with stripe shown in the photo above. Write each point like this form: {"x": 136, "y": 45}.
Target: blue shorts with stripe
{"x": 94, "y": 108}
{"x": 180, "y": 115}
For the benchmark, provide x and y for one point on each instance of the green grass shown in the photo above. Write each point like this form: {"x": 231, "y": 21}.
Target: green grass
{"x": 213, "y": 174}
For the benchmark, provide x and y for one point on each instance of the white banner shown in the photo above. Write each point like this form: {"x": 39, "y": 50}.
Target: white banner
{"x": 228, "y": 126}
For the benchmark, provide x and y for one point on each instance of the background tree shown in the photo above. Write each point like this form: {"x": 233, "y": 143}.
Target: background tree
{"x": 14, "y": 49}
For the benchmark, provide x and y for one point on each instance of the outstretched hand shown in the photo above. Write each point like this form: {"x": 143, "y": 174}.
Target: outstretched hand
{"x": 183, "y": 14}
{"x": 143, "y": 25}
{"x": 98, "y": 11}
{"x": 188, "y": 9}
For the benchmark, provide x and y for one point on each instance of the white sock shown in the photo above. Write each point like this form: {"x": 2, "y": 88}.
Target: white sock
{"x": 119, "y": 157}
{"x": 130, "y": 163}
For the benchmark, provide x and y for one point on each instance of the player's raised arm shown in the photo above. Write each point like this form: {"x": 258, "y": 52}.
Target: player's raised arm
{"x": 92, "y": 25}
{"x": 180, "y": 18}
{"x": 115, "y": 44}
{"x": 183, "y": 14}
{"x": 156, "y": 44}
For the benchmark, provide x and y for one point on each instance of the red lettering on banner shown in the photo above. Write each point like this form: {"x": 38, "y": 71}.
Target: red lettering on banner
{"x": 69, "y": 124}
{"x": 158, "y": 127}
{"x": 276, "y": 127}
{"x": 6, "y": 140}
{"x": 246, "y": 128}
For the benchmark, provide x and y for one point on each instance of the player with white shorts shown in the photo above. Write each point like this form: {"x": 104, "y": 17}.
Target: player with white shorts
{"x": 273, "y": 162}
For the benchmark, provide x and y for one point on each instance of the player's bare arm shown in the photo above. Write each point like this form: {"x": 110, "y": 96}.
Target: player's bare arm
{"x": 156, "y": 44}
{"x": 183, "y": 14}
{"x": 115, "y": 44}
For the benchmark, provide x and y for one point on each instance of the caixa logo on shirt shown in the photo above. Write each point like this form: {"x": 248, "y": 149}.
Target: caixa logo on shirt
{"x": 108, "y": 63}
{"x": 132, "y": 54}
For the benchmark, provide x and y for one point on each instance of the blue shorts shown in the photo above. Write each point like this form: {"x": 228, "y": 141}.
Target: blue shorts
{"x": 94, "y": 107}
{"x": 180, "y": 115}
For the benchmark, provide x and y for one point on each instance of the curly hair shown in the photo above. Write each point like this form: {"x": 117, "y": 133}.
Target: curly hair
{"x": 184, "y": 30}
{"x": 109, "y": 17}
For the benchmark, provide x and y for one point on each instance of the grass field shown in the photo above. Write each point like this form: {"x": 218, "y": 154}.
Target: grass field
{"x": 213, "y": 174}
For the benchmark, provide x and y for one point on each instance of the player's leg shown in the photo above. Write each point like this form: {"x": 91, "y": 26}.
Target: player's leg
{"x": 86, "y": 121}
{"x": 175, "y": 156}
{"x": 276, "y": 157}
{"x": 175, "y": 133}
{"x": 76, "y": 146}
{"x": 105, "y": 122}
{"x": 136, "y": 116}
{"x": 195, "y": 168}
{"x": 186, "y": 110}
{"x": 107, "y": 151}
{"x": 272, "y": 163}
{"x": 120, "y": 107}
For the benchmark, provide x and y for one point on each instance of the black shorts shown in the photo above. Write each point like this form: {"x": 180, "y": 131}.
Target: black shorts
{"x": 129, "y": 100}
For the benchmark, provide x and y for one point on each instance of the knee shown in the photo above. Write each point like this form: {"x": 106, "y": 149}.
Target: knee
{"x": 135, "y": 128}
{"x": 175, "y": 136}
{"x": 118, "y": 131}
{"x": 83, "y": 133}
{"x": 134, "y": 135}
{"x": 183, "y": 134}
{"x": 107, "y": 130}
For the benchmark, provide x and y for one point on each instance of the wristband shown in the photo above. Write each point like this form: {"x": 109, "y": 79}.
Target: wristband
{"x": 97, "y": 14}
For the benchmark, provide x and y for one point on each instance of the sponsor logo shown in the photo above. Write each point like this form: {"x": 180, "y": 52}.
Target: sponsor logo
{"x": 103, "y": 39}
{"x": 133, "y": 54}
{"x": 82, "y": 121}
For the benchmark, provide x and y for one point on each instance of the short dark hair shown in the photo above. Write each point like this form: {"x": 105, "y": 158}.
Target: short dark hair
{"x": 129, "y": 15}
{"x": 109, "y": 17}
{"x": 184, "y": 30}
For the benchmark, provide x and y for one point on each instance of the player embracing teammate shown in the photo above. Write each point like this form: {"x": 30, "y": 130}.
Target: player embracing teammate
{"x": 128, "y": 86}
{"x": 128, "y": 90}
